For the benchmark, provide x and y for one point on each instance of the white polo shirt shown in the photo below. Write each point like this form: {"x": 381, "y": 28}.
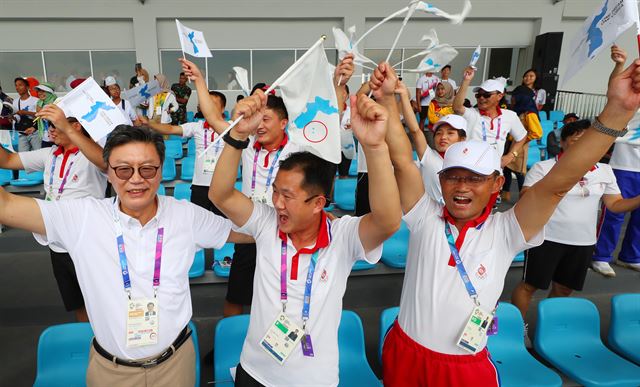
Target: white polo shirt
{"x": 626, "y": 156}
{"x": 329, "y": 283}
{"x": 128, "y": 110}
{"x": 28, "y": 104}
{"x": 483, "y": 128}
{"x": 85, "y": 227}
{"x": 435, "y": 305}
{"x": 263, "y": 166}
{"x": 575, "y": 220}
{"x": 430, "y": 164}
{"x": 198, "y": 131}
{"x": 426, "y": 83}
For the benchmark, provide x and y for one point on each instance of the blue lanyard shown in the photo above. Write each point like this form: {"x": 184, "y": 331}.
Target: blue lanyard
{"x": 461, "y": 270}
{"x": 269, "y": 174}
{"x": 306, "y": 302}
{"x": 64, "y": 179}
{"x": 484, "y": 129}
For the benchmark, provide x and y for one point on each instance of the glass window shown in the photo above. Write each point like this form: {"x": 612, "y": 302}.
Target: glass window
{"x": 19, "y": 64}
{"x": 171, "y": 68}
{"x": 268, "y": 65}
{"x": 378, "y": 55}
{"x": 500, "y": 62}
{"x": 65, "y": 66}
{"x": 118, "y": 64}
{"x": 221, "y": 74}
{"x": 332, "y": 55}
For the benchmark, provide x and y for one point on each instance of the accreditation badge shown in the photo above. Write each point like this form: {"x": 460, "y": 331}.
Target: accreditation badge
{"x": 282, "y": 337}
{"x": 209, "y": 163}
{"x": 142, "y": 322}
{"x": 475, "y": 330}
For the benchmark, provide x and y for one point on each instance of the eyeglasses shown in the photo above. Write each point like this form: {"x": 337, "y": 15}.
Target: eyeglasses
{"x": 471, "y": 180}
{"x": 288, "y": 198}
{"x": 125, "y": 172}
{"x": 484, "y": 95}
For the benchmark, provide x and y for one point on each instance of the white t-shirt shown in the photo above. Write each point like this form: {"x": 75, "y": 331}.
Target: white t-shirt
{"x": 329, "y": 283}
{"x": 483, "y": 128}
{"x": 28, "y": 104}
{"x": 128, "y": 110}
{"x": 169, "y": 106}
{"x": 427, "y": 83}
{"x": 262, "y": 169}
{"x": 540, "y": 97}
{"x": 626, "y": 156}
{"x": 85, "y": 227}
{"x": 430, "y": 164}
{"x": 198, "y": 132}
{"x": 435, "y": 305}
{"x": 451, "y": 82}
{"x": 575, "y": 220}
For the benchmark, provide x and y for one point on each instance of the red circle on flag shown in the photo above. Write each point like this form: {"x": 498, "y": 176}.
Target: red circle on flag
{"x": 315, "y": 131}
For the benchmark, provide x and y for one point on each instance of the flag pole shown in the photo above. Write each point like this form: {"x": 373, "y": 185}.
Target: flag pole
{"x": 386, "y": 19}
{"x": 410, "y": 12}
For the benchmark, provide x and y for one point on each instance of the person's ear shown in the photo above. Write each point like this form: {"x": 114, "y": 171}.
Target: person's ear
{"x": 497, "y": 184}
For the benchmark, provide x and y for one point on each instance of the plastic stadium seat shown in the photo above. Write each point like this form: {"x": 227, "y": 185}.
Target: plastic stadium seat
{"x": 182, "y": 191}
{"x": 556, "y": 115}
{"x": 196, "y": 347}
{"x": 190, "y": 116}
{"x": 519, "y": 257}
{"x": 239, "y": 175}
{"x": 63, "y": 355}
{"x": 568, "y": 337}
{"x": 219, "y": 256}
{"x": 394, "y": 249}
{"x": 533, "y": 156}
{"x": 547, "y": 127}
{"x": 197, "y": 267}
{"x": 353, "y": 167}
{"x": 344, "y": 194}
{"x": 162, "y": 190}
{"x": 354, "y": 368}
{"x": 229, "y": 336}
{"x": 516, "y": 366}
{"x": 238, "y": 185}
{"x": 542, "y": 115}
{"x": 28, "y": 179}
{"x": 169, "y": 169}
{"x": 624, "y": 332}
{"x": 361, "y": 264}
{"x": 5, "y": 176}
{"x": 173, "y": 148}
{"x": 191, "y": 147}
{"x": 187, "y": 167}
{"x": 387, "y": 318}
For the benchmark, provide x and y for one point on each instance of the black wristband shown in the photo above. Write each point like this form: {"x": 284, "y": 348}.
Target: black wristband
{"x": 238, "y": 144}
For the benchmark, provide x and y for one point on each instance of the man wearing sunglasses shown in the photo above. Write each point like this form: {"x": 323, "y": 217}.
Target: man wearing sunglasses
{"x": 459, "y": 253}
{"x": 129, "y": 251}
{"x": 570, "y": 235}
{"x": 73, "y": 168}
{"x": 488, "y": 122}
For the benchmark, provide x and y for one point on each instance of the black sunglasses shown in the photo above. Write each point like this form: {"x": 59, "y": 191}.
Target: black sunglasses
{"x": 145, "y": 171}
{"x": 484, "y": 95}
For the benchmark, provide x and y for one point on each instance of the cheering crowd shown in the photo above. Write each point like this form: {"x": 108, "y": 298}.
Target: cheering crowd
{"x": 121, "y": 255}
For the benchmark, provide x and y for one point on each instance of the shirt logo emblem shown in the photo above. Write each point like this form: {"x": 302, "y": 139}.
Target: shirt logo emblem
{"x": 465, "y": 151}
{"x": 324, "y": 277}
{"x": 482, "y": 272}
{"x": 75, "y": 178}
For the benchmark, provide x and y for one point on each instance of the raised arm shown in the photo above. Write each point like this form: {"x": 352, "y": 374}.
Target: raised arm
{"x": 383, "y": 82}
{"x": 20, "y": 212}
{"x": 91, "y": 150}
{"x": 458, "y": 101}
{"x": 369, "y": 124}
{"x": 341, "y": 76}
{"x": 166, "y": 129}
{"x": 419, "y": 141}
{"x": 209, "y": 110}
{"x": 536, "y": 207}
{"x": 231, "y": 202}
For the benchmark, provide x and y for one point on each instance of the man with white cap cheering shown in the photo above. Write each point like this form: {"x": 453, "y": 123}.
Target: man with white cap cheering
{"x": 125, "y": 106}
{"x": 488, "y": 122}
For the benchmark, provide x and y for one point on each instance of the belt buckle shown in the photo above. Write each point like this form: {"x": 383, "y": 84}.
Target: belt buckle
{"x": 149, "y": 363}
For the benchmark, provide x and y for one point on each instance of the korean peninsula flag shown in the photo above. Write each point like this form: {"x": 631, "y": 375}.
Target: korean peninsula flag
{"x": 192, "y": 41}
{"x": 598, "y": 32}
{"x": 312, "y": 104}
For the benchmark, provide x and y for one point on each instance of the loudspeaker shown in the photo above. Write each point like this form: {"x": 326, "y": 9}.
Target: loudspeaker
{"x": 546, "y": 57}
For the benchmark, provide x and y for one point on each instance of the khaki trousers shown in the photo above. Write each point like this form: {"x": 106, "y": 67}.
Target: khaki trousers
{"x": 178, "y": 371}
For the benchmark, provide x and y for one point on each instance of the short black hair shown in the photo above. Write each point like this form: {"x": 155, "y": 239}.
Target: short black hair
{"x": 23, "y": 80}
{"x": 571, "y": 115}
{"x": 126, "y": 134}
{"x": 574, "y": 128}
{"x": 182, "y": 73}
{"x": 222, "y": 97}
{"x": 318, "y": 174}
{"x": 259, "y": 85}
{"x": 239, "y": 97}
{"x": 276, "y": 104}
{"x": 446, "y": 67}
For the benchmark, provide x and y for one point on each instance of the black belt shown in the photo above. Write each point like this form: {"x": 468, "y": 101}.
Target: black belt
{"x": 181, "y": 339}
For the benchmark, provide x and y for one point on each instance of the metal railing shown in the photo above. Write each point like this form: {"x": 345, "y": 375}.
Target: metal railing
{"x": 585, "y": 105}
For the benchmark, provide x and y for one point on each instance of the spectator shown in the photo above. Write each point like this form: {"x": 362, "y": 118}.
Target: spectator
{"x": 162, "y": 104}
{"x": 25, "y": 110}
{"x": 444, "y": 73}
{"x": 125, "y": 106}
{"x": 442, "y": 104}
{"x": 425, "y": 91}
{"x": 553, "y": 138}
{"x": 6, "y": 110}
{"x": 182, "y": 93}
{"x": 46, "y": 96}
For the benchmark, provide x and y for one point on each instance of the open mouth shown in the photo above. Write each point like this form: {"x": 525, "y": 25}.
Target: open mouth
{"x": 137, "y": 192}
{"x": 283, "y": 219}
{"x": 461, "y": 200}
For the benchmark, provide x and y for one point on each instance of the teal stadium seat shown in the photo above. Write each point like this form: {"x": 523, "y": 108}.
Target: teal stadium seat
{"x": 387, "y": 317}
{"x": 533, "y": 156}
{"x": 182, "y": 191}
{"x": 5, "y": 176}
{"x": 547, "y": 127}
{"x": 173, "y": 148}
{"x": 543, "y": 115}
{"x": 187, "y": 168}
{"x": 197, "y": 267}
{"x": 344, "y": 194}
{"x": 219, "y": 256}
{"x": 191, "y": 147}
{"x": 190, "y": 116}
{"x": 394, "y": 249}
{"x": 28, "y": 179}
{"x": 624, "y": 329}
{"x": 230, "y": 333}
{"x": 361, "y": 264}
{"x": 568, "y": 337}
{"x": 353, "y": 167}
{"x": 556, "y": 115}
{"x": 162, "y": 190}
{"x": 168, "y": 169}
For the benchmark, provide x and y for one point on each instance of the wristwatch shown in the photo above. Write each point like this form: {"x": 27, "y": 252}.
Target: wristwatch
{"x": 597, "y": 125}
{"x": 238, "y": 144}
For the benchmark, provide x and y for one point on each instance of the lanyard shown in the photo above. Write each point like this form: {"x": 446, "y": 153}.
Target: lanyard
{"x": 123, "y": 255}
{"x": 307, "y": 289}
{"x": 269, "y": 175}
{"x": 484, "y": 130}
{"x": 461, "y": 270}
{"x": 64, "y": 179}
{"x": 216, "y": 147}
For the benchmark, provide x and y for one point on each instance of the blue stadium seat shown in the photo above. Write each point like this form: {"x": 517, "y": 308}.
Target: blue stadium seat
{"x": 227, "y": 115}
{"x": 361, "y": 264}
{"x": 519, "y": 257}
{"x": 6, "y": 176}
{"x": 547, "y": 127}
{"x": 344, "y": 194}
{"x": 162, "y": 190}
{"x": 624, "y": 335}
{"x": 63, "y": 355}
{"x": 533, "y": 156}
{"x": 238, "y": 185}
{"x": 542, "y": 115}
{"x": 196, "y": 347}
{"x": 387, "y": 318}
{"x": 219, "y": 256}
{"x": 516, "y": 367}
{"x": 394, "y": 249}
{"x": 197, "y": 267}
{"x": 230, "y": 333}
{"x": 353, "y": 168}
{"x": 173, "y": 148}
{"x": 169, "y": 169}
{"x": 354, "y": 368}
{"x": 182, "y": 191}
{"x": 191, "y": 147}
{"x": 187, "y": 167}
{"x": 28, "y": 179}
{"x": 190, "y": 116}
{"x": 239, "y": 175}
{"x": 556, "y": 115}
{"x": 568, "y": 337}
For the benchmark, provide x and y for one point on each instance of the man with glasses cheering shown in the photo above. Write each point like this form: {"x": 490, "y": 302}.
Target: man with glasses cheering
{"x": 488, "y": 122}
{"x": 130, "y": 251}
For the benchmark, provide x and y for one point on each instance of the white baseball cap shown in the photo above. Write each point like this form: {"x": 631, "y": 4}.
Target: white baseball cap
{"x": 454, "y": 120}
{"x": 44, "y": 87}
{"x": 490, "y": 85}
{"x": 109, "y": 81}
{"x": 476, "y": 156}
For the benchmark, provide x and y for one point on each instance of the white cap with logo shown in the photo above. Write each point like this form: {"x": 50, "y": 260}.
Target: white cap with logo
{"x": 490, "y": 85}
{"x": 110, "y": 81}
{"x": 453, "y": 120}
{"x": 476, "y": 156}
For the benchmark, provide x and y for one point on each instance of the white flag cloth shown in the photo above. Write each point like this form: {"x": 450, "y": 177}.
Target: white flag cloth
{"x": 5, "y": 140}
{"x": 599, "y": 31}
{"x": 438, "y": 57}
{"x": 633, "y": 135}
{"x": 92, "y": 108}
{"x": 454, "y": 18}
{"x": 242, "y": 76}
{"x": 142, "y": 93}
{"x": 192, "y": 41}
{"x": 308, "y": 93}
{"x": 345, "y": 46}
{"x": 475, "y": 56}
{"x": 346, "y": 135}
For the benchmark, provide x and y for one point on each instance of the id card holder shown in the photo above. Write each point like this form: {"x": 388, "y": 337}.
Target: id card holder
{"x": 209, "y": 163}
{"x": 142, "y": 322}
{"x": 281, "y": 338}
{"x": 260, "y": 198}
{"x": 475, "y": 330}
{"x": 158, "y": 110}
{"x": 493, "y": 328}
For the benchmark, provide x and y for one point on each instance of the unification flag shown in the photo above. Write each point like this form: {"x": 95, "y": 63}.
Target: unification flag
{"x": 311, "y": 101}
{"x": 438, "y": 57}
{"x": 454, "y": 18}
{"x": 92, "y": 108}
{"x": 140, "y": 94}
{"x": 192, "y": 41}
{"x": 475, "y": 56}
{"x": 345, "y": 46}
{"x": 600, "y": 31}
{"x": 5, "y": 140}
{"x": 242, "y": 76}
